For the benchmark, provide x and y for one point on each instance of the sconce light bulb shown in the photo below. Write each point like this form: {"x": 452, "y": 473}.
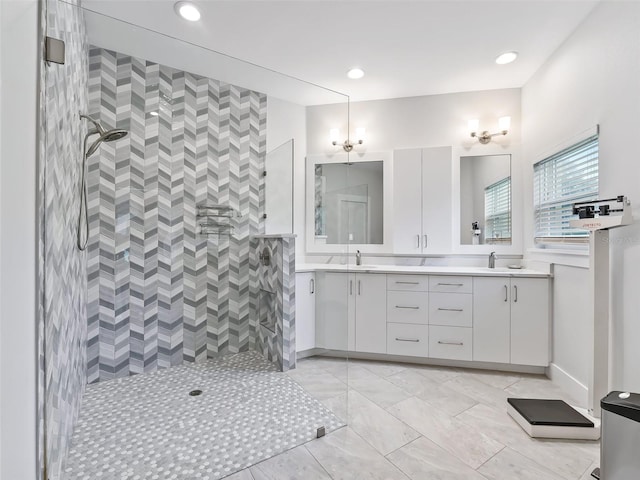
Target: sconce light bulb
{"x": 504, "y": 123}
{"x": 334, "y": 135}
{"x": 474, "y": 124}
{"x": 360, "y": 132}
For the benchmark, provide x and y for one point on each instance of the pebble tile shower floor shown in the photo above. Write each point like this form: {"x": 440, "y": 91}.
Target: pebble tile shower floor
{"x": 149, "y": 427}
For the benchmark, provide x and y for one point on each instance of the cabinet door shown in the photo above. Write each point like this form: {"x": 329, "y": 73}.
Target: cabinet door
{"x": 305, "y": 311}
{"x": 530, "y": 321}
{"x": 371, "y": 313}
{"x": 335, "y": 311}
{"x": 437, "y": 182}
{"x": 491, "y": 319}
{"x": 407, "y": 201}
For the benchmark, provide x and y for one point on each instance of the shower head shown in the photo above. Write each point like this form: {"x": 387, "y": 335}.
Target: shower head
{"x": 105, "y": 135}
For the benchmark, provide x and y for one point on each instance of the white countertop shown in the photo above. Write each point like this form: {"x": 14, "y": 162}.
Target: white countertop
{"x": 474, "y": 271}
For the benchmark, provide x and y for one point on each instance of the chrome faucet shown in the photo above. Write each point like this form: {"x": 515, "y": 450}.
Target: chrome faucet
{"x": 358, "y": 258}
{"x": 492, "y": 260}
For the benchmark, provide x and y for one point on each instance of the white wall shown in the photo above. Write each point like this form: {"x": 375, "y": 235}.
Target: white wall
{"x": 428, "y": 121}
{"x": 18, "y": 91}
{"x": 593, "y": 78}
{"x": 286, "y": 120}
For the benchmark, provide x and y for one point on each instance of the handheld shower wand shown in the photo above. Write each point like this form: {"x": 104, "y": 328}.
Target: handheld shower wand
{"x": 104, "y": 135}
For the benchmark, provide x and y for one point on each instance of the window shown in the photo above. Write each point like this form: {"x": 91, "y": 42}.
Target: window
{"x": 497, "y": 212}
{"x": 558, "y": 182}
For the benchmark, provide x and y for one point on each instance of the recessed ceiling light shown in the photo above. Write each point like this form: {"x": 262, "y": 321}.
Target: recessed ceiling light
{"x": 506, "y": 57}
{"x": 188, "y": 11}
{"x": 155, "y": 114}
{"x": 355, "y": 73}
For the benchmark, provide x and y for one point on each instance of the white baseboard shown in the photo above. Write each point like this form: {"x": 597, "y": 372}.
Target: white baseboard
{"x": 573, "y": 387}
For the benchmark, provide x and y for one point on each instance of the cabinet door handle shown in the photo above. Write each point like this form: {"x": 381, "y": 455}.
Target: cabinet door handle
{"x": 415, "y": 340}
{"x": 411, "y": 308}
{"x": 452, "y": 284}
{"x": 506, "y": 293}
{"x": 359, "y": 287}
{"x": 450, "y": 343}
{"x": 451, "y": 309}
{"x": 515, "y": 293}
{"x": 312, "y": 286}
{"x": 425, "y": 242}
{"x": 350, "y": 287}
{"x": 407, "y": 283}
{"x": 417, "y": 241}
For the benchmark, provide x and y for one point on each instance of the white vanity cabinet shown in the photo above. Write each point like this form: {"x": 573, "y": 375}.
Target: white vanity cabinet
{"x": 305, "y": 311}
{"x": 511, "y": 320}
{"x": 335, "y": 311}
{"x": 371, "y": 312}
{"x": 459, "y": 317}
{"x": 408, "y": 315}
{"x": 422, "y": 199}
{"x": 450, "y": 317}
{"x": 351, "y": 312}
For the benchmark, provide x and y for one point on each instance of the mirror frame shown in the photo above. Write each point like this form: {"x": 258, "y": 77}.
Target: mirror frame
{"x": 516, "y": 200}
{"x": 387, "y": 211}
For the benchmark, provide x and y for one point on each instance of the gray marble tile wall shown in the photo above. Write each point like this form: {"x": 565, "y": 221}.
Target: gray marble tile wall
{"x": 273, "y": 290}
{"x": 61, "y": 266}
{"x": 160, "y": 293}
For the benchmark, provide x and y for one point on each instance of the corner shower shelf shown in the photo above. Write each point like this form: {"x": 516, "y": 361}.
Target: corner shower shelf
{"x": 216, "y": 210}
{"x": 208, "y": 213}
{"x": 214, "y": 228}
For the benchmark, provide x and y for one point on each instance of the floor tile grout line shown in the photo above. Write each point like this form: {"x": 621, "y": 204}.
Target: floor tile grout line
{"x": 409, "y": 442}
{"x": 488, "y": 459}
{"x": 317, "y": 460}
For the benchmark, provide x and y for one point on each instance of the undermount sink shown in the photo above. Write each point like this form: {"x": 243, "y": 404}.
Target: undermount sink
{"x": 363, "y": 267}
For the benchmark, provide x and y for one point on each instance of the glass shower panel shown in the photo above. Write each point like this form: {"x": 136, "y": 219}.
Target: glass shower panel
{"x": 279, "y": 168}
{"x": 186, "y": 357}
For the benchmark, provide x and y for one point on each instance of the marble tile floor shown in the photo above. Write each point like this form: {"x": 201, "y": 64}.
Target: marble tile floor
{"x": 150, "y": 427}
{"x": 410, "y": 422}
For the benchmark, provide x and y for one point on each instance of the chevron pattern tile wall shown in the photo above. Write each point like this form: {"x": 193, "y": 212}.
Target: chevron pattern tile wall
{"x": 276, "y": 283}
{"x": 62, "y": 268}
{"x": 160, "y": 293}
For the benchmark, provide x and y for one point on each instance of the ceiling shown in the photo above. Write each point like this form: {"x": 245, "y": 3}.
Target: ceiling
{"x": 406, "y": 48}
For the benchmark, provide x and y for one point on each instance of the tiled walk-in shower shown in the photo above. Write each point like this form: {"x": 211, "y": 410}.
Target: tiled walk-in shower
{"x": 149, "y": 426}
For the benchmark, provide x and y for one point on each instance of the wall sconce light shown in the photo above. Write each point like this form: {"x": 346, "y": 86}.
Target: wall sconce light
{"x": 334, "y": 135}
{"x": 485, "y": 137}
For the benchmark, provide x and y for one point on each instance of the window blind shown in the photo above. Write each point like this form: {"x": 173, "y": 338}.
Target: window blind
{"x": 559, "y": 181}
{"x": 497, "y": 211}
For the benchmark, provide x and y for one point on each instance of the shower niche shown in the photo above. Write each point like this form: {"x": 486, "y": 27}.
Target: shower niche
{"x": 273, "y": 298}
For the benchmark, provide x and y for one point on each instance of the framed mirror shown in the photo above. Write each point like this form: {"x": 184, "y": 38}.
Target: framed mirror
{"x": 348, "y": 202}
{"x": 485, "y": 200}
{"x": 487, "y": 189}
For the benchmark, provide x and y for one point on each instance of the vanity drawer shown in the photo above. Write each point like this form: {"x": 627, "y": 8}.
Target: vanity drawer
{"x": 454, "y": 343}
{"x": 408, "y": 283}
{"x": 408, "y": 307}
{"x": 450, "y": 284}
{"x": 408, "y": 339}
{"x": 452, "y": 309}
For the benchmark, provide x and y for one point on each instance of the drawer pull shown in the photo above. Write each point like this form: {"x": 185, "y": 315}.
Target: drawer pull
{"x": 407, "y": 283}
{"x": 450, "y": 343}
{"x": 410, "y": 308}
{"x": 452, "y": 284}
{"x": 414, "y": 340}
{"x": 451, "y": 309}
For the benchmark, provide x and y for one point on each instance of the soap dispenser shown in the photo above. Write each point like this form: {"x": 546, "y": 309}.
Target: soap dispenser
{"x": 475, "y": 234}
